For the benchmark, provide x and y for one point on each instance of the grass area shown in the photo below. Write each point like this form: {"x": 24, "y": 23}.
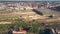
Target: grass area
{"x": 9, "y": 19}
{"x": 16, "y": 23}
{"x": 35, "y": 27}
{"x": 50, "y": 20}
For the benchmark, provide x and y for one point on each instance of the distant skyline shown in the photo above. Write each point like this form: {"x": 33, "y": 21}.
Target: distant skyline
{"x": 29, "y": 0}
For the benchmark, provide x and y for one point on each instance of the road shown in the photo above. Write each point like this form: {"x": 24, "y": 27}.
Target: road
{"x": 50, "y": 12}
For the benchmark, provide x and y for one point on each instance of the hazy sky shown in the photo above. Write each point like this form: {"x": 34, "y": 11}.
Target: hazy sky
{"x": 29, "y": 0}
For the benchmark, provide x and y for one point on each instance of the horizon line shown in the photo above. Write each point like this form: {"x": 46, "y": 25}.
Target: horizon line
{"x": 29, "y": 1}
